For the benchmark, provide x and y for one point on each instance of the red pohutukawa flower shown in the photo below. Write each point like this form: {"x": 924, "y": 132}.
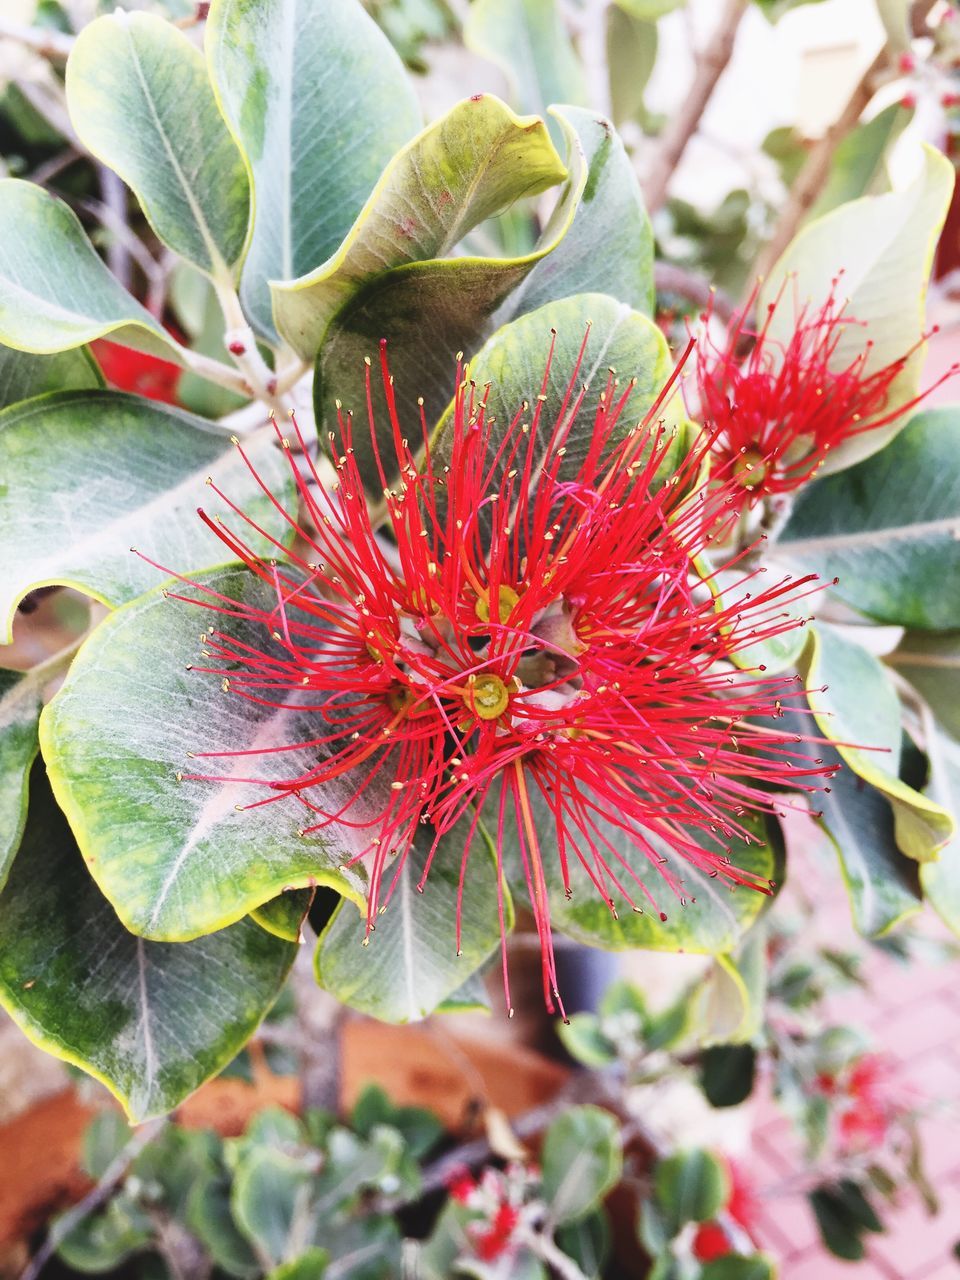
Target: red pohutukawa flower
{"x": 519, "y": 638}
{"x": 777, "y": 412}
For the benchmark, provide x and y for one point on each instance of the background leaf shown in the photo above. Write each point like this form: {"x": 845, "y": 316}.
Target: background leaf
{"x": 932, "y": 665}
{"x": 23, "y": 375}
{"x": 884, "y": 247}
{"x": 941, "y": 879}
{"x": 178, "y": 859}
{"x": 889, "y": 528}
{"x": 91, "y": 473}
{"x": 55, "y": 293}
{"x": 319, "y": 102}
{"x": 140, "y": 99}
{"x": 691, "y": 1186}
{"x": 581, "y": 1161}
{"x": 151, "y": 1021}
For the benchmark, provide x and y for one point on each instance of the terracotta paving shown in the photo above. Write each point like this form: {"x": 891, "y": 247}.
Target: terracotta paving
{"x": 912, "y": 1012}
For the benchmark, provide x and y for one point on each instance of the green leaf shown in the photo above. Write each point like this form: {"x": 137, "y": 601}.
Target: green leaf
{"x": 884, "y": 246}
{"x": 859, "y": 162}
{"x": 23, "y": 375}
{"x": 711, "y": 921}
{"x": 270, "y": 1202}
{"x": 733, "y": 1267}
{"x": 468, "y": 166}
{"x": 429, "y": 311}
{"x": 177, "y": 859}
{"x": 859, "y": 821}
{"x": 895, "y": 16}
{"x": 284, "y": 915}
{"x": 90, "y": 473}
{"x": 528, "y": 40}
{"x": 55, "y": 293}
{"x": 932, "y": 665}
{"x": 209, "y": 1217}
{"x": 843, "y": 1215}
{"x": 727, "y": 1073}
{"x": 141, "y": 101}
{"x": 941, "y": 879}
{"x": 649, "y": 10}
{"x": 101, "y": 1242}
{"x": 732, "y": 999}
{"x": 319, "y": 103}
{"x": 889, "y": 528}
{"x": 104, "y": 1139}
{"x": 311, "y": 1265}
{"x": 588, "y": 1242}
{"x": 610, "y": 211}
{"x": 691, "y": 1186}
{"x": 583, "y": 1039}
{"x": 581, "y": 1161}
{"x": 409, "y": 964}
{"x": 151, "y": 1021}
{"x": 856, "y": 708}
{"x": 420, "y": 1129}
{"x": 632, "y": 45}
{"x": 514, "y": 359}
{"x": 20, "y": 704}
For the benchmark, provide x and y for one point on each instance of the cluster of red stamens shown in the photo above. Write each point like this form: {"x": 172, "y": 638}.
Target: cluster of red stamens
{"x": 516, "y": 634}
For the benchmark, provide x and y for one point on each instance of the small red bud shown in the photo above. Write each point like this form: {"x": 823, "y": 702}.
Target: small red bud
{"x": 951, "y": 99}
{"x": 907, "y": 63}
{"x": 909, "y": 101}
{"x": 237, "y": 348}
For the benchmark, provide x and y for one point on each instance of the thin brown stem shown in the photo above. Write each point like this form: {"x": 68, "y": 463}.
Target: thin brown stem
{"x": 43, "y": 40}
{"x": 710, "y": 65}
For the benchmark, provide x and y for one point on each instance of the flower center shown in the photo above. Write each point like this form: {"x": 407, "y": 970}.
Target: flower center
{"x": 507, "y": 598}
{"x": 750, "y": 469}
{"x": 399, "y": 697}
{"x": 487, "y": 696}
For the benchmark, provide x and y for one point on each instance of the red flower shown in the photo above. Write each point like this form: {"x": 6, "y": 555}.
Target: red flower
{"x": 129, "y": 370}
{"x": 493, "y": 1242}
{"x": 868, "y": 1104}
{"x": 711, "y": 1241}
{"x": 778, "y": 412}
{"x": 524, "y": 641}
{"x": 461, "y": 1186}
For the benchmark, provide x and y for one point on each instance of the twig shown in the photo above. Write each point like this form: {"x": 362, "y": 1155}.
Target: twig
{"x": 693, "y": 287}
{"x": 710, "y": 66}
{"x": 114, "y": 195}
{"x": 320, "y": 1021}
{"x": 42, "y": 174}
{"x": 43, "y": 40}
{"x": 114, "y": 1174}
{"x": 816, "y": 169}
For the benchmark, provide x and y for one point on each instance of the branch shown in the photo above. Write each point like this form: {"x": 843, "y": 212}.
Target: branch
{"x": 694, "y": 288}
{"x": 816, "y": 169}
{"x": 43, "y": 40}
{"x": 114, "y": 1174}
{"x": 709, "y": 67}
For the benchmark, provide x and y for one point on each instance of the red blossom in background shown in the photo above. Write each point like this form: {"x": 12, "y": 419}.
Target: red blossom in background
{"x": 777, "y": 412}
{"x": 136, "y": 371}
{"x": 524, "y": 639}
{"x": 712, "y": 1239}
{"x": 867, "y": 1100}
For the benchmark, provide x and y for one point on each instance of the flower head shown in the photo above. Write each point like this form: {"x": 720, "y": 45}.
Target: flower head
{"x": 776, "y": 412}
{"x": 518, "y": 637}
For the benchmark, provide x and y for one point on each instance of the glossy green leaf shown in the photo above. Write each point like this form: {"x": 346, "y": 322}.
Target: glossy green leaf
{"x": 889, "y": 528}
{"x": 728, "y": 1073}
{"x": 610, "y": 211}
{"x": 470, "y": 165}
{"x": 731, "y": 1001}
{"x": 859, "y": 821}
{"x": 270, "y": 1195}
{"x": 284, "y": 916}
{"x": 941, "y": 879}
{"x": 884, "y": 246}
{"x": 712, "y": 919}
{"x": 581, "y": 1161}
{"x": 514, "y": 360}
{"x": 152, "y": 1021}
{"x": 856, "y": 708}
{"x": 859, "y": 166}
{"x": 691, "y": 1186}
{"x": 23, "y": 374}
{"x": 141, "y": 101}
{"x": 55, "y": 293}
{"x": 209, "y": 1218}
{"x": 428, "y": 311}
{"x": 932, "y": 665}
{"x": 178, "y": 858}
{"x": 410, "y": 964}
{"x": 89, "y": 474}
{"x": 588, "y": 1242}
{"x": 20, "y": 704}
{"x": 528, "y": 40}
{"x": 319, "y": 103}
